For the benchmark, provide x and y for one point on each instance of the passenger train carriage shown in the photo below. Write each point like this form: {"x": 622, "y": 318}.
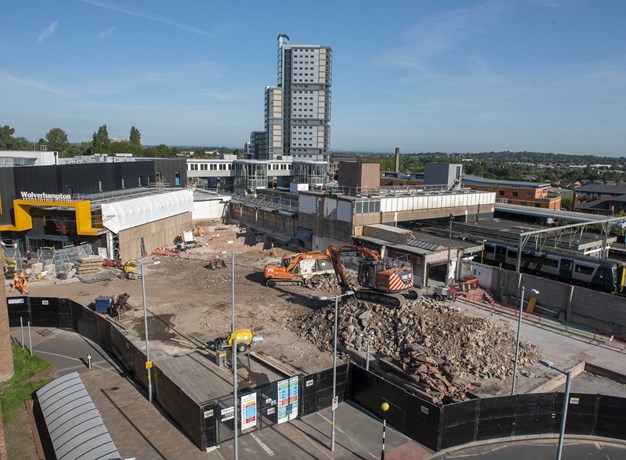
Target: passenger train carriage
{"x": 606, "y": 275}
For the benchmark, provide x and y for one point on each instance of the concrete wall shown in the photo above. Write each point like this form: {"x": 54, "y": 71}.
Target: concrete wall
{"x": 600, "y": 311}
{"x": 155, "y": 234}
{"x": 208, "y": 210}
{"x": 6, "y": 354}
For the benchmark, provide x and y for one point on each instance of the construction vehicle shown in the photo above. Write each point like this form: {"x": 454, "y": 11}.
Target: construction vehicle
{"x": 379, "y": 279}
{"x": 245, "y": 339}
{"x": 298, "y": 269}
{"x": 444, "y": 293}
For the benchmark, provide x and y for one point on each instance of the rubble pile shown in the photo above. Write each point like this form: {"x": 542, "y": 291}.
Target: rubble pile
{"x": 325, "y": 283}
{"x": 473, "y": 347}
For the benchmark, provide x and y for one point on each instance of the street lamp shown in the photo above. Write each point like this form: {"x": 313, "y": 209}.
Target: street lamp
{"x": 385, "y": 407}
{"x": 519, "y": 327}
{"x": 337, "y": 297}
{"x": 568, "y": 374}
{"x": 449, "y": 266}
{"x": 145, "y": 320}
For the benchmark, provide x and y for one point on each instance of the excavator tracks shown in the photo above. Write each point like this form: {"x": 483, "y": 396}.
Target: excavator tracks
{"x": 388, "y": 300}
{"x": 277, "y": 283}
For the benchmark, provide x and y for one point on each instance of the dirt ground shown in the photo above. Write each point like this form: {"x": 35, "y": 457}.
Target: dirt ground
{"x": 185, "y": 297}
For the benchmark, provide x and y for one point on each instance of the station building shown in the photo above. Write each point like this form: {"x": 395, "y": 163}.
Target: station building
{"x": 120, "y": 207}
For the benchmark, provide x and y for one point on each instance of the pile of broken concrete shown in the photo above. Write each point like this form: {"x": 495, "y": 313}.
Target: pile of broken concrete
{"x": 474, "y": 347}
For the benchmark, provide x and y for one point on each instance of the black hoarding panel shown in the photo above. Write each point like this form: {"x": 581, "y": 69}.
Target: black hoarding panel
{"x": 534, "y": 414}
{"x": 413, "y": 416}
{"x": 496, "y": 418}
{"x": 120, "y": 347}
{"x": 18, "y": 308}
{"x": 65, "y": 314}
{"x": 458, "y": 423}
{"x": 611, "y": 417}
{"x": 44, "y": 311}
{"x": 209, "y": 413}
{"x": 580, "y": 413}
{"x": 104, "y": 333}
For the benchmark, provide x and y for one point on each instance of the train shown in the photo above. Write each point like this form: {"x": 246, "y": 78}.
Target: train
{"x": 607, "y": 275}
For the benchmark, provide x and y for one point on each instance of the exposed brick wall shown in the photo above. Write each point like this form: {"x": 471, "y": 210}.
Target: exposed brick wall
{"x": 6, "y": 355}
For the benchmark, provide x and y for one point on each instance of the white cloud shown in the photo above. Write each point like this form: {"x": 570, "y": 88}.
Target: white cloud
{"x": 48, "y": 31}
{"x": 105, "y": 33}
{"x": 147, "y": 16}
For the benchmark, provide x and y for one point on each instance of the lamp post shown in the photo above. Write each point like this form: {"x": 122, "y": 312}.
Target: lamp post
{"x": 385, "y": 407}
{"x": 145, "y": 320}
{"x": 449, "y": 266}
{"x": 519, "y": 327}
{"x": 568, "y": 374}
{"x": 337, "y": 297}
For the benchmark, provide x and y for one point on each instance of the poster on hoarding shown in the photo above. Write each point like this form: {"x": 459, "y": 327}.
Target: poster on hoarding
{"x": 283, "y": 401}
{"x": 248, "y": 411}
{"x": 293, "y": 398}
{"x": 287, "y": 400}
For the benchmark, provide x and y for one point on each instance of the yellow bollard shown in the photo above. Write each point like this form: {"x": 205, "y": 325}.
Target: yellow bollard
{"x": 89, "y": 360}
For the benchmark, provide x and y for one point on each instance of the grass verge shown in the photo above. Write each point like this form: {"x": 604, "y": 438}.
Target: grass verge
{"x": 21, "y": 386}
{"x": 30, "y": 375}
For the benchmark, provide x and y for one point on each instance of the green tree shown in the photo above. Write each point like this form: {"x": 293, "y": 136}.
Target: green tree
{"x": 57, "y": 140}
{"x": 121, "y": 147}
{"x": 101, "y": 142}
{"x": 8, "y": 142}
{"x": 135, "y": 141}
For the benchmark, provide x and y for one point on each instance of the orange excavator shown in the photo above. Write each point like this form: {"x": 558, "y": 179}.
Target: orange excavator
{"x": 382, "y": 280}
{"x": 298, "y": 269}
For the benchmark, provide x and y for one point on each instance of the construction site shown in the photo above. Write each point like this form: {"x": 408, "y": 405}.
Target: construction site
{"x": 441, "y": 347}
{"x": 189, "y": 296}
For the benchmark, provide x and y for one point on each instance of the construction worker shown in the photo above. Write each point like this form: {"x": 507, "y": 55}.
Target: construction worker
{"x": 200, "y": 232}
{"x": 16, "y": 281}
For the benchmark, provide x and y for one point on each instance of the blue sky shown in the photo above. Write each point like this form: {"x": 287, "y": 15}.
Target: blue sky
{"x": 428, "y": 75}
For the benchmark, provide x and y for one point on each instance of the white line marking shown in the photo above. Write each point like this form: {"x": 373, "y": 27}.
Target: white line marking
{"x": 264, "y": 446}
{"x": 111, "y": 369}
{"x": 330, "y": 423}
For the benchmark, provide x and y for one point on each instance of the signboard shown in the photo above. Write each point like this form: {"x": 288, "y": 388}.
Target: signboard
{"x": 14, "y": 301}
{"x": 45, "y": 302}
{"x": 208, "y": 413}
{"x": 335, "y": 403}
{"x": 248, "y": 411}
{"x": 309, "y": 383}
{"x": 30, "y": 196}
{"x": 574, "y": 400}
{"x": 287, "y": 400}
{"x": 227, "y": 413}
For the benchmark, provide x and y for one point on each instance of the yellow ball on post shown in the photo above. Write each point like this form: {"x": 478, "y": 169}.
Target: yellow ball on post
{"x": 384, "y": 406}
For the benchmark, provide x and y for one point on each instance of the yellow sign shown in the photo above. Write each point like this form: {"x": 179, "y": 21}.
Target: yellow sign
{"x": 148, "y": 364}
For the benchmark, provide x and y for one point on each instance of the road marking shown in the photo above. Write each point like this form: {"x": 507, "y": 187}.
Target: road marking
{"x": 264, "y": 446}
{"x": 598, "y": 446}
{"x": 330, "y": 423}
{"x": 111, "y": 369}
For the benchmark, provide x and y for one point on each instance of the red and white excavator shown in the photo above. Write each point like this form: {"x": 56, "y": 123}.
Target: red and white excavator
{"x": 379, "y": 279}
